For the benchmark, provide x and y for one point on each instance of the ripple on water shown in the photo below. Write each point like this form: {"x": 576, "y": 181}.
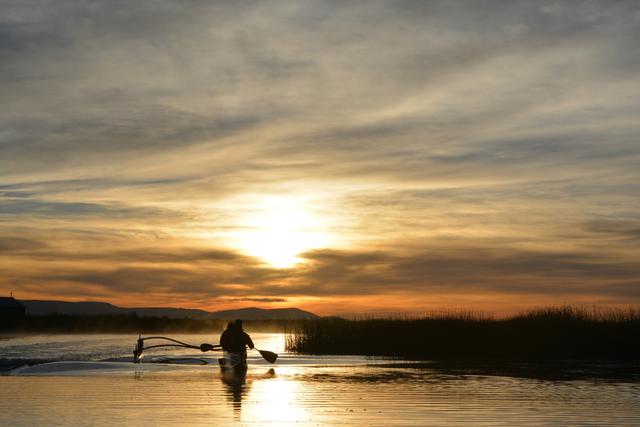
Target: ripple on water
{"x": 308, "y": 391}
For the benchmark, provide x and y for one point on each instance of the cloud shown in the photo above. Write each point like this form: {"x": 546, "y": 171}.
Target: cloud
{"x": 35, "y": 208}
{"x": 166, "y": 78}
{"x": 258, "y": 299}
{"x": 17, "y": 245}
{"x": 459, "y": 270}
{"x": 455, "y": 147}
{"x": 616, "y": 229}
{"x": 456, "y": 269}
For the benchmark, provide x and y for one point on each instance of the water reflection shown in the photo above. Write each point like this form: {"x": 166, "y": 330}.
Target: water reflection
{"x": 307, "y": 391}
{"x": 237, "y": 387}
{"x": 310, "y": 396}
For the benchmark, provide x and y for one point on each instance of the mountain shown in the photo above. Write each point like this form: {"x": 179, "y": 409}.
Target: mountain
{"x": 253, "y": 313}
{"x": 43, "y": 308}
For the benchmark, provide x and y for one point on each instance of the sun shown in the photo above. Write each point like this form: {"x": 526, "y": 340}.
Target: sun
{"x": 278, "y": 229}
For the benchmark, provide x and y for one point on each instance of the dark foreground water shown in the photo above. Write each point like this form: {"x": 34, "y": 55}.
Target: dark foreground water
{"x": 81, "y": 389}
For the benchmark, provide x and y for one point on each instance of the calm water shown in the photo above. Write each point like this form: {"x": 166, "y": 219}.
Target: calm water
{"x": 297, "y": 390}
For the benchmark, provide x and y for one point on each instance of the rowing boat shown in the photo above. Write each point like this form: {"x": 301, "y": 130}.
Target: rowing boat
{"x": 230, "y": 361}
{"x": 233, "y": 362}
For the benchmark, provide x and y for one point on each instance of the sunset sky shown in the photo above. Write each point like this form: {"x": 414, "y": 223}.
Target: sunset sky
{"x": 336, "y": 156}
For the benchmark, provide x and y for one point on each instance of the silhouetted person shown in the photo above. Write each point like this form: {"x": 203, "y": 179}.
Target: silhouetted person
{"x": 234, "y": 340}
{"x": 226, "y": 336}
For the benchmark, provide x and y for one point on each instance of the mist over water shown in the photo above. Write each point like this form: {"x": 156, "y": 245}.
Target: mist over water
{"x": 297, "y": 390}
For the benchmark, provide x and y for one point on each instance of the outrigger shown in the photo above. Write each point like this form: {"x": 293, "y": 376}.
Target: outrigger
{"x": 230, "y": 361}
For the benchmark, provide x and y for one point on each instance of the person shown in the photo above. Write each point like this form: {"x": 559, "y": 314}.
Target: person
{"x": 225, "y": 338}
{"x": 234, "y": 341}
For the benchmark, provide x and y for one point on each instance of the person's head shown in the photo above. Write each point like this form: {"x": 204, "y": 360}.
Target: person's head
{"x": 230, "y": 326}
{"x": 238, "y": 324}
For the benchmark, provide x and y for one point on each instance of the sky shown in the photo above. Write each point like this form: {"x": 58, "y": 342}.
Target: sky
{"x": 336, "y": 156}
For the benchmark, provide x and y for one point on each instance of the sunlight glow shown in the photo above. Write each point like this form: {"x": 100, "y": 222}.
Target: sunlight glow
{"x": 279, "y": 229}
{"x": 278, "y": 403}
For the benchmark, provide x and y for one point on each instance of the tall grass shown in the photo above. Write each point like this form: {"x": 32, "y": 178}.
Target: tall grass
{"x": 552, "y": 333}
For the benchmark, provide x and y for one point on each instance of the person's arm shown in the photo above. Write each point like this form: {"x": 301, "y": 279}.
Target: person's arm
{"x": 249, "y": 342}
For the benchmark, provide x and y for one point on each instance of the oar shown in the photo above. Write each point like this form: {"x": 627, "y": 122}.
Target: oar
{"x": 269, "y": 356}
{"x": 202, "y": 347}
{"x": 137, "y": 352}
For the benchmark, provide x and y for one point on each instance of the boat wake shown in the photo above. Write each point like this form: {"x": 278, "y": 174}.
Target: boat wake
{"x": 165, "y": 363}
{"x": 7, "y": 365}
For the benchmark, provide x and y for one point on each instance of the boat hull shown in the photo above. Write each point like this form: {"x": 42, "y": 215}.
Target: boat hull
{"x": 233, "y": 362}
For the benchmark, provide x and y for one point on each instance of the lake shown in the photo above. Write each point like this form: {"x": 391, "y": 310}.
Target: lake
{"x": 91, "y": 384}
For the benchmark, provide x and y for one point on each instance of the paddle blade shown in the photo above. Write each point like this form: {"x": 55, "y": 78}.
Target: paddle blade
{"x": 269, "y": 356}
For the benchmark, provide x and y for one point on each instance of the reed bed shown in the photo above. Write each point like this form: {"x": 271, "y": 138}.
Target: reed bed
{"x": 551, "y": 333}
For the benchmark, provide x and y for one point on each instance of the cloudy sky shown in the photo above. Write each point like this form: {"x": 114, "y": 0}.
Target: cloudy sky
{"x": 338, "y": 156}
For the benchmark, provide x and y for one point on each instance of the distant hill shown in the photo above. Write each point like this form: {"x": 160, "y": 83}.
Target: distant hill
{"x": 43, "y": 308}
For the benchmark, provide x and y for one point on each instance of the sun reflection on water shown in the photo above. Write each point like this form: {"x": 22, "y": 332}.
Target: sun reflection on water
{"x": 275, "y": 401}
